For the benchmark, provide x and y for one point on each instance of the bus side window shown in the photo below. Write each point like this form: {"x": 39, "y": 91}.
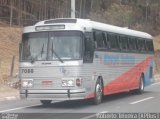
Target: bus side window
{"x": 124, "y": 43}
{"x": 149, "y": 45}
{"x": 136, "y": 44}
{"x": 106, "y": 44}
{"x": 132, "y": 44}
{"x": 141, "y": 45}
{"x": 94, "y": 39}
{"x": 113, "y": 41}
{"x": 89, "y": 48}
{"x": 99, "y": 40}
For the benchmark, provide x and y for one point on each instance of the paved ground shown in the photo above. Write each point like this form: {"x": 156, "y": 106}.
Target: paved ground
{"x": 126, "y": 102}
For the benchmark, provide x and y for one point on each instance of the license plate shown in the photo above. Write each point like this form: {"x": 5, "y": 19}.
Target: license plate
{"x": 47, "y": 82}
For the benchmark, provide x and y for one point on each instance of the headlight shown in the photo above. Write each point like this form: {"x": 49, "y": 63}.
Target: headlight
{"x": 27, "y": 83}
{"x": 67, "y": 82}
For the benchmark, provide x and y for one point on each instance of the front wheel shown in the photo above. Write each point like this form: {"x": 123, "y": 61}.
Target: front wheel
{"x": 46, "y": 102}
{"x": 98, "y": 92}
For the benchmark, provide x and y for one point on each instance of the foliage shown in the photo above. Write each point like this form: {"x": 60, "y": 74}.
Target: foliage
{"x": 136, "y": 14}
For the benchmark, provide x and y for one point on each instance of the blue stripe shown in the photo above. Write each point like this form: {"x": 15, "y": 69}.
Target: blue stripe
{"x": 147, "y": 77}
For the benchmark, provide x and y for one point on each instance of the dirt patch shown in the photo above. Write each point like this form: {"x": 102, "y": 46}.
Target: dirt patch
{"x": 9, "y": 45}
{"x": 157, "y": 54}
{"x": 6, "y": 91}
{"x": 156, "y": 42}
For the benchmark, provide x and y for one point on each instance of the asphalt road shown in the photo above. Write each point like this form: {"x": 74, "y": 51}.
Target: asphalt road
{"x": 149, "y": 101}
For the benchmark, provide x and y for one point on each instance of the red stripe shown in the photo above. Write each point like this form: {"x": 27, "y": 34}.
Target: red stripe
{"x": 127, "y": 81}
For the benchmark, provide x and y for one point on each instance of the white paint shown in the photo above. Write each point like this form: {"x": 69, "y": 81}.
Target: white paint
{"x": 18, "y": 108}
{"x": 90, "y": 116}
{"x": 104, "y": 112}
{"x": 155, "y": 84}
{"x": 94, "y": 115}
{"x": 135, "y": 102}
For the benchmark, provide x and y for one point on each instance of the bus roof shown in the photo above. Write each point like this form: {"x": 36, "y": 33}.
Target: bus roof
{"x": 119, "y": 30}
{"x": 89, "y": 25}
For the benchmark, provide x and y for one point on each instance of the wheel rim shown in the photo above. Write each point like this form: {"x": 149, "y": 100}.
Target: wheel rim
{"x": 98, "y": 92}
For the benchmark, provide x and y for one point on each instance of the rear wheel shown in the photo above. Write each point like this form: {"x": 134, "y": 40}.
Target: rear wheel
{"x": 141, "y": 85}
{"x": 98, "y": 92}
{"x": 46, "y": 102}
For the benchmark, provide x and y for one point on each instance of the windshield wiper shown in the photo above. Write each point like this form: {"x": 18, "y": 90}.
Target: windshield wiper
{"x": 42, "y": 51}
{"x": 33, "y": 59}
{"x": 53, "y": 52}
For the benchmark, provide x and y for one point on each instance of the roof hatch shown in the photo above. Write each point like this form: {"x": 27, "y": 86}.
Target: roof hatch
{"x": 60, "y": 21}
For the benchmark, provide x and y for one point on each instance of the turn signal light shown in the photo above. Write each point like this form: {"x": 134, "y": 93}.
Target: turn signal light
{"x": 78, "y": 82}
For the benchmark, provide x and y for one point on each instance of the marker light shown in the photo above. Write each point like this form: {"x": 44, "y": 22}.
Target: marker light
{"x": 49, "y": 27}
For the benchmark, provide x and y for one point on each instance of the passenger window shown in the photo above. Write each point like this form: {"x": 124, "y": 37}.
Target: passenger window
{"x": 132, "y": 44}
{"x": 138, "y": 45}
{"x": 99, "y": 39}
{"x": 108, "y": 42}
{"x": 124, "y": 43}
{"x": 104, "y": 39}
{"x": 113, "y": 41}
{"x": 141, "y": 45}
{"x": 149, "y": 45}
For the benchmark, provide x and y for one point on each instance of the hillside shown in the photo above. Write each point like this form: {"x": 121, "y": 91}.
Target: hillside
{"x": 157, "y": 54}
{"x": 9, "y": 45}
{"x": 157, "y": 43}
{"x": 143, "y": 15}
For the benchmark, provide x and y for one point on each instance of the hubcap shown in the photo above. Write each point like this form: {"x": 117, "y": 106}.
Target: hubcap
{"x": 142, "y": 85}
{"x": 98, "y": 91}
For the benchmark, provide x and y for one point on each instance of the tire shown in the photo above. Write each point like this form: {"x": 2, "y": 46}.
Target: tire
{"x": 46, "y": 102}
{"x": 98, "y": 92}
{"x": 141, "y": 85}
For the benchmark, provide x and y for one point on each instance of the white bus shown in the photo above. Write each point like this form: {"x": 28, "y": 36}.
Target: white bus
{"x": 72, "y": 59}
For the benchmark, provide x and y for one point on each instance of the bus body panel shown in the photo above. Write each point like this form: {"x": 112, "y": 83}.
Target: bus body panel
{"x": 119, "y": 70}
{"x": 119, "y": 74}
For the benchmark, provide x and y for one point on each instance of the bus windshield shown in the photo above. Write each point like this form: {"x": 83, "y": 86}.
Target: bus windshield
{"x": 58, "y": 45}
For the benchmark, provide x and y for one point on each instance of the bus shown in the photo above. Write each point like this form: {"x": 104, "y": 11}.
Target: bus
{"x": 72, "y": 59}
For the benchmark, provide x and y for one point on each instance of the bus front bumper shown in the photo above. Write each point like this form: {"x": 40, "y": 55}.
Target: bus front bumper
{"x": 68, "y": 94}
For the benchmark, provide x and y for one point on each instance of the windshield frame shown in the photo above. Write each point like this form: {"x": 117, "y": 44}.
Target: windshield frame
{"x": 48, "y": 43}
